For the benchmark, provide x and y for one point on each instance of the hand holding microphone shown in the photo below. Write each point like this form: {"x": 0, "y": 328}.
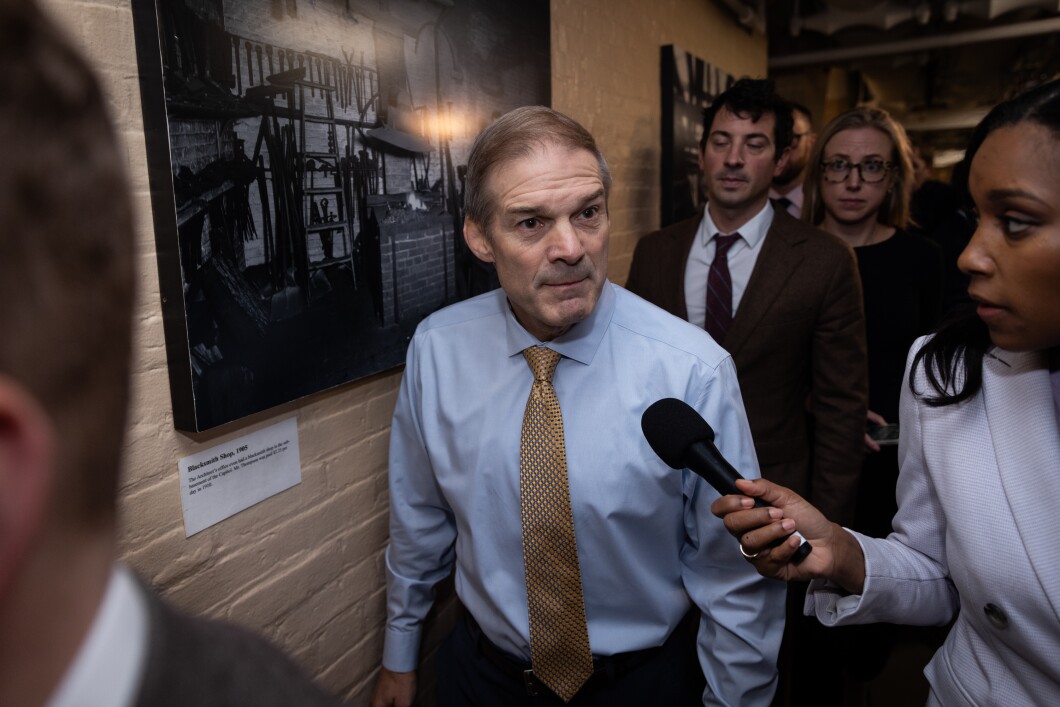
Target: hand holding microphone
{"x": 683, "y": 439}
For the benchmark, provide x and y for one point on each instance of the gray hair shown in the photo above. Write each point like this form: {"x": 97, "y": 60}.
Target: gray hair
{"x": 517, "y": 134}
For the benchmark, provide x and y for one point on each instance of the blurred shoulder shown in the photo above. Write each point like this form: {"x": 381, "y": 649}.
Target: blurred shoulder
{"x": 197, "y": 661}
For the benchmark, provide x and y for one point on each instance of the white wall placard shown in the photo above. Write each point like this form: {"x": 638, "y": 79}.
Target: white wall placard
{"x": 231, "y": 477}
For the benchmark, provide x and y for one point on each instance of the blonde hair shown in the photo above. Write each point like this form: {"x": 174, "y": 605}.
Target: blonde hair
{"x": 894, "y": 211}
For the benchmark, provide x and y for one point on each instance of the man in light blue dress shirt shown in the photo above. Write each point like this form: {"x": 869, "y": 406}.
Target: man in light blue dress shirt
{"x": 648, "y": 548}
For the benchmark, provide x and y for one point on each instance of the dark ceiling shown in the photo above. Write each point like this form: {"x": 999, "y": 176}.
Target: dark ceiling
{"x": 937, "y": 65}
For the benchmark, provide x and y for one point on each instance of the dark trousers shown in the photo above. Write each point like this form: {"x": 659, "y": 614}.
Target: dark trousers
{"x": 473, "y": 674}
{"x": 810, "y": 658}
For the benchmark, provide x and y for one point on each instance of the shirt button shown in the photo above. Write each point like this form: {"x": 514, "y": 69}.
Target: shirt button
{"x": 996, "y": 615}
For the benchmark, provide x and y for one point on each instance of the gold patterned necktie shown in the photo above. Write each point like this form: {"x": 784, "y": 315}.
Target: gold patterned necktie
{"x": 559, "y": 636}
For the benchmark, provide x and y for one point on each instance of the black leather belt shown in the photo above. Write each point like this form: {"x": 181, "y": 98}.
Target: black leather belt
{"x": 610, "y": 667}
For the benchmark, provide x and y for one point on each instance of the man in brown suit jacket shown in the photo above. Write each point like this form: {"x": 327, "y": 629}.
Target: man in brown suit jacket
{"x": 799, "y": 328}
{"x": 797, "y": 332}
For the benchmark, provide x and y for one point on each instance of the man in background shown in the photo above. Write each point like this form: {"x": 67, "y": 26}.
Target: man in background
{"x": 784, "y": 299}
{"x": 787, "y": 304}
{"x": 786, "y": 191}
{"x": 933, "y": 201}
{"x": 936, "y": 212}
{"x": 577, "y": 552}
{"x": 76, "y": 627}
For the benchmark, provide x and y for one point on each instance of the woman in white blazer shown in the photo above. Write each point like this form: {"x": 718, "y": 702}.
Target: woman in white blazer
{"x": 976, "y": 536}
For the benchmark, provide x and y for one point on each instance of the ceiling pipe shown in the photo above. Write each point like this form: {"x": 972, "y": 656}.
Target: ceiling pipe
{"x": 746, "y": 15}
{"x": 991, "y": 9}
{"x": 882, "y": 17}
{"x": 929, "y": 121}
{"x": 834, "y": 56}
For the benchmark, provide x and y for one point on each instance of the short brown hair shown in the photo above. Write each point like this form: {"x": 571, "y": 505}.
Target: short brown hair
{"x": 894, "y": 211}
{"x": 517, "y": 134}
{"x": 66, "y": 256}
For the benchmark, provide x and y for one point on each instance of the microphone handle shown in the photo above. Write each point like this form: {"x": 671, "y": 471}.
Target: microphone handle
{"x": 704, "y": 459}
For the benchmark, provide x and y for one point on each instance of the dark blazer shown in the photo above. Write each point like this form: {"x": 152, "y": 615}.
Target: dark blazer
{"x": 195, "y": 661}
{"x": 799, "y": 330}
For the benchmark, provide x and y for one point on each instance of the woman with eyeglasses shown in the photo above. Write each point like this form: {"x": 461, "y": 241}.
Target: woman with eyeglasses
{"x": 976, "y": 539}
{"x": 858, "y": 186}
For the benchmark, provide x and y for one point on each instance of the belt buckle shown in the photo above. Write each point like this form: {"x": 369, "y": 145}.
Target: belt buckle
{"x": 530, "y": 683}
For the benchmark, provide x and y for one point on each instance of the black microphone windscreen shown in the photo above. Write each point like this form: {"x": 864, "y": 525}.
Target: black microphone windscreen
{"x": 671, "y": 426}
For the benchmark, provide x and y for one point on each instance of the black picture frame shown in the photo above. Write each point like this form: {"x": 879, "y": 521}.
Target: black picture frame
{"x": 305, "y": 162}
{"x": 689, "y": 85}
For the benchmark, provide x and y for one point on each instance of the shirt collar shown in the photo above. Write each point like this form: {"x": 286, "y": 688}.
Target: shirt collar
{"x": 580, "y": 342}
{"x": 753, "y": 231}
{"x": 794, "y": 196}
{"x": 109, "y": 665}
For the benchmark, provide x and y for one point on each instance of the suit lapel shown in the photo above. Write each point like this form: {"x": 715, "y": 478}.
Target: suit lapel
{"x": 684, "y": 235}
{"x": 778, "y": 260}
{"x": 1023, "y": 426}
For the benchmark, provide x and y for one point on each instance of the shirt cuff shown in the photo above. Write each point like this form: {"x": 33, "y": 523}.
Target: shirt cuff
{"x": 828, "y": 601}
{"x": 401, "y": 649}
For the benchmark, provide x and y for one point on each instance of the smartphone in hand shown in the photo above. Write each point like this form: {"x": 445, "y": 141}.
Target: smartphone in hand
{"x": 884, "y": 435}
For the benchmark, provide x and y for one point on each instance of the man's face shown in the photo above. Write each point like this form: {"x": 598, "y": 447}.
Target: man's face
{"x": 739, "y": 164}
{"x": 802, "y": 141}
{"x": 548, "y": 237}
{"x": 921, "y": 169}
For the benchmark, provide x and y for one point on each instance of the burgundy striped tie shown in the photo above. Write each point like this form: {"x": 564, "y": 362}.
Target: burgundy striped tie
{"x": 719, "y": 289}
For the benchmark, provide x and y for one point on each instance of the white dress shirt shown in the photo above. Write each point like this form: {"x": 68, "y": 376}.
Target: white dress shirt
{"x": 794, "y": 198}
{"x": 110, "y": 663}
{"x": 742, "y": 257}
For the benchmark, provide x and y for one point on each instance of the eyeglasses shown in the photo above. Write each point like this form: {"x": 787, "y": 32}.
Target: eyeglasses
{"x": 869, "y": 171}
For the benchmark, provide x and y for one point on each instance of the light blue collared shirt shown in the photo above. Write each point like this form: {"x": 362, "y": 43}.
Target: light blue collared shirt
{"x": 648, "y": 545}
{"x": 742, "y": 255}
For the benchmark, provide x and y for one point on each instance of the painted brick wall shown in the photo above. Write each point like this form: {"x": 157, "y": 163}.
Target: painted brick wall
{"x": 197, "y": 143}
{"x": 416, "y": 280}
{"x": 306, "y": 567}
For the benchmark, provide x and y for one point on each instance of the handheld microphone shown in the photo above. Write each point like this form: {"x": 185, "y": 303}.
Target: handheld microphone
{"x": 684, "y": 440}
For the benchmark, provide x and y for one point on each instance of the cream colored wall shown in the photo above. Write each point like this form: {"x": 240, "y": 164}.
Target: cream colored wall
{"x": 306, "y": 567}
{"x": 605, "y": 74}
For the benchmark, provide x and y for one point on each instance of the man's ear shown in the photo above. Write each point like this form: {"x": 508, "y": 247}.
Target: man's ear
{"x": 478, "y": 241}
{"x": 27, "y": 475}
{"x": 782, "y": 162}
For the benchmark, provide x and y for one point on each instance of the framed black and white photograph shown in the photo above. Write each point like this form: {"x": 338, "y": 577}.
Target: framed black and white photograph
{"x": 689, "y": 86}
{"x": 306, "y": 163}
